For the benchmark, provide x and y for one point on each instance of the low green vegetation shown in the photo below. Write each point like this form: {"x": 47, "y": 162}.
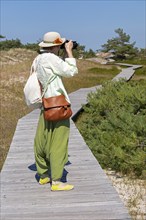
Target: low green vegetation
{"x": 114, "y": 126}
{"x": 139, "y": 60}
{"x": 111, "y": 71}
{"x": 141, "y": 71}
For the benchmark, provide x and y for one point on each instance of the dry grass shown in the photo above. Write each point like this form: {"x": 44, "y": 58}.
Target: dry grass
{"x": 14, "y": 72}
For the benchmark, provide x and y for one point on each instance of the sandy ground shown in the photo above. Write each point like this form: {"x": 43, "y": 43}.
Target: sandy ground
{"x": 132, "y": 192}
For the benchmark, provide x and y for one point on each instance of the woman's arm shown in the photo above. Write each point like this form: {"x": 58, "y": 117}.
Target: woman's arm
{"x": 65, "y": 68}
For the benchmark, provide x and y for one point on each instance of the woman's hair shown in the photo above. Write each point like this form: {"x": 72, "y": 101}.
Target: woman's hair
{"x": 49, "y": 48}
{"x": 46, "y": 49}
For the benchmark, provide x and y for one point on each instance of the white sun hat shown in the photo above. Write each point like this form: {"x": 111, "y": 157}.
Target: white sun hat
{"x": 51, "y": 39}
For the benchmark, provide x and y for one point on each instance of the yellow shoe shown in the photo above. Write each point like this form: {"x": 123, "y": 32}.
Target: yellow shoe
{"x": 44, "y": 180}
{"x": 59, "y": 186}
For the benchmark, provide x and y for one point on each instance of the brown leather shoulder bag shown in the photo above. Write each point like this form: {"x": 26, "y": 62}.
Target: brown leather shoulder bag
{"x": 56, "y": 108}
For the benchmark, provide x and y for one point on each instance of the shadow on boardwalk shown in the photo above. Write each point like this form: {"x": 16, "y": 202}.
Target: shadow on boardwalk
{"x": 23, "y": 198}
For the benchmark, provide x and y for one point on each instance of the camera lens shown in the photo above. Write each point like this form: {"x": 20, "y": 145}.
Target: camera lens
{"x": 75, "y": 44}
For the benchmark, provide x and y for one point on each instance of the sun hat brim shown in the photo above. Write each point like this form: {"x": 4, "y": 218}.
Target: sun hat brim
{"x": 51, "y": 44}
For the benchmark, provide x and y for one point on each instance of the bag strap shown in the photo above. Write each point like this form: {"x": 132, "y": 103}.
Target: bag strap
{"x": 33, "y": 69}
{"x": 46, "y": 87}
{"x": 34, "y": 65}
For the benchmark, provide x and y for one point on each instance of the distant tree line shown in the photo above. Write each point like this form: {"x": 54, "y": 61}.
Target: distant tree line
{"x": 8, "y": 44}
{"x": 120, "y": 46}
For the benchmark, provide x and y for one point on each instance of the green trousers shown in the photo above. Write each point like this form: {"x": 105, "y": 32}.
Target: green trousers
{"x": 51, "y": 147}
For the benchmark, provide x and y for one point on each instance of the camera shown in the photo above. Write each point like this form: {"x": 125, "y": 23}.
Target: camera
{"x": 75, "y": 44}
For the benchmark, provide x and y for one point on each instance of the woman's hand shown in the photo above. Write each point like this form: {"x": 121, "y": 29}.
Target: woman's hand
{"x": 69, "y": 45}
{"x": 68, "y": 48}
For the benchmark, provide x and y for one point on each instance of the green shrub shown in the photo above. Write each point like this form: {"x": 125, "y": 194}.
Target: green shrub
{"x": 114, "y": 126}
{"x": 141, "y": 71}
{"x": 113, "y": 70}
{"x": 140, "y": 60}
{"x": 33, "y": 46}
{"x": 8, "y": 44}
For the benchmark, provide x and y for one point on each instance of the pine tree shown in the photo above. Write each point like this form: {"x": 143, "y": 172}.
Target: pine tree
{"x": 120, "y": 45}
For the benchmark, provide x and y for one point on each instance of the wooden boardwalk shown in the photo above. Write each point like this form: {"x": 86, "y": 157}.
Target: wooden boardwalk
{"x": 126, "y": 73}
{"x": 22, "y": 198}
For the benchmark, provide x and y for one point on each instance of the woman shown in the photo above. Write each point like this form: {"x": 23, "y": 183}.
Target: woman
{"x": 51, "y": 140}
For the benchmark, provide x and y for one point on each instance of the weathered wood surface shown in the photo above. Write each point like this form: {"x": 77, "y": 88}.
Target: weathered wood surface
{"x": 127, "y": 73}
{"x": 22, "y": 198}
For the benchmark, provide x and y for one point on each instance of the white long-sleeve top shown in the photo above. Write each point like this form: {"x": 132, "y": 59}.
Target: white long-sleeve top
{"x": 50, "y": 67}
